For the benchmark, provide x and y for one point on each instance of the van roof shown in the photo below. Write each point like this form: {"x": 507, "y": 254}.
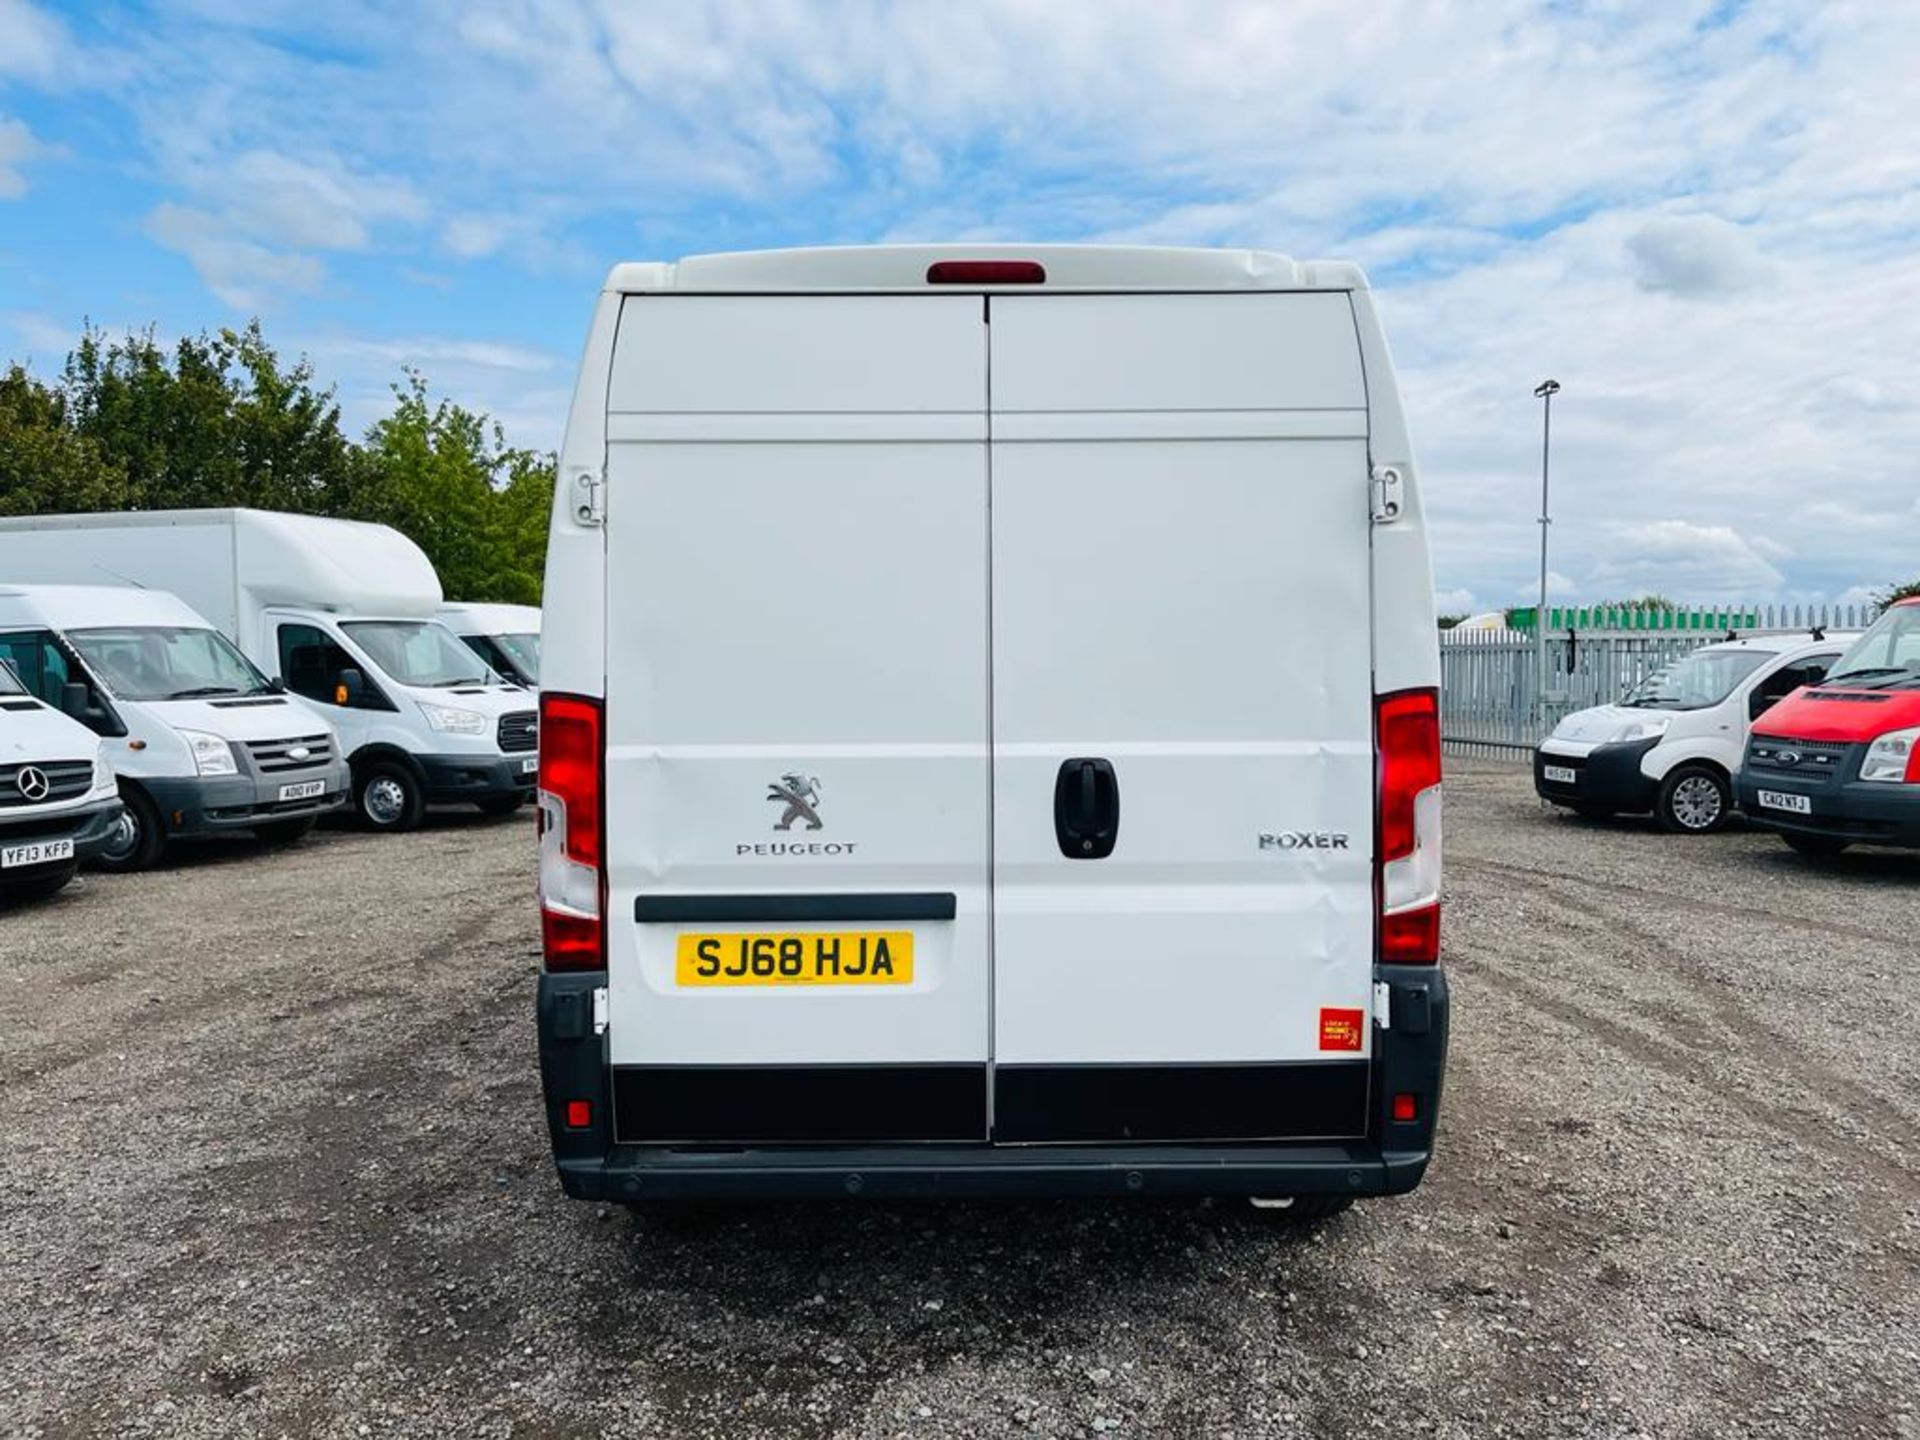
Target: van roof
{"x": 82, "y": 607}
{"x": 904, "y": 267}
{"x": 483, "y": 617}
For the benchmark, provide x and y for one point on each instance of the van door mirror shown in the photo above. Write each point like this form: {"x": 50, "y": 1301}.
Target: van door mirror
{"x": 74, "y": 700}
{"x": 78, "y": 702}
{"x": 276, "y": 685}
{"x": 1758, "y": 703}
{"x": 349, "y": 688}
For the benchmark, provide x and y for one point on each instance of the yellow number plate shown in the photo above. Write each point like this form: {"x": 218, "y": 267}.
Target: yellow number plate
{"x": 839, "y": 957}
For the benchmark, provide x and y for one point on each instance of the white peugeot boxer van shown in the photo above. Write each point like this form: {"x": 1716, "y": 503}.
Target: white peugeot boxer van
{"x": 59, "y": 802}
{"x": 989, "y": 734}
{"x": 507, "y": 637}
{"x": 201, "y": 741}
{"x": 342, "y": 614}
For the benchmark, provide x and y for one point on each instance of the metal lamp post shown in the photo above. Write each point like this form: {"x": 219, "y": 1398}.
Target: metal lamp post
{"x": 1544, "y": 392}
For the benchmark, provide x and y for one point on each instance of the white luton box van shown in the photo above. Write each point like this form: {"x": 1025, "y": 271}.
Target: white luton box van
{"x": 989, "y": 733}
{"x": 341, "y": 612}
{"x": 507, "y": 637}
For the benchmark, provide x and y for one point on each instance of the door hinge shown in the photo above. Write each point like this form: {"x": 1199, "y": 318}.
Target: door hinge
{"x": 1388, "y": 495}
{"x": 1383, "y": 1004}
{"x": 600, "y": 1011}
{"x": 589, "y": 497}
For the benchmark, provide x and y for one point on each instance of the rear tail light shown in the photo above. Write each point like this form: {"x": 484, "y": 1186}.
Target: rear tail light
{"x": 572, "y": 877}
{"x": 1407, "y": 747}
{"x": 986, "y": 272}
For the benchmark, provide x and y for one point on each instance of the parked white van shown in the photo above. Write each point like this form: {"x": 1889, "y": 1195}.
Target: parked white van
{"x": 1673, "y": 743}
{"x": 201, "y": 741}
{"x": 342, "y": 614}
{"x": 954, "y": 786}
{"x": 59, "y": 802}
{"x": 507, "y": 637}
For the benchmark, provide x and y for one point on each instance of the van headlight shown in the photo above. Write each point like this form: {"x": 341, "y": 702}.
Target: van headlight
{"x": 1646, "y": 728}
{"x": 104, "y": 780}
{"x": 211, "y": 754}
{"x": 1889, "y": 757}
{"x": 452, "y": 721}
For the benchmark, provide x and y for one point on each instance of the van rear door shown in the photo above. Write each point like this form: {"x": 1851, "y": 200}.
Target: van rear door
{"x": 1181, "y": 672}
{"x": 797, "y": 719}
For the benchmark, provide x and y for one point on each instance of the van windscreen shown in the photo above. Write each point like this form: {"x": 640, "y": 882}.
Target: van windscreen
{"x": 167, "y": 662}
{"x": 418, "y": 652}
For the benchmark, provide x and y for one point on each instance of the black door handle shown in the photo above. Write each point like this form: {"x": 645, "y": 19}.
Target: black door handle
{"x": 1086, "y": 808}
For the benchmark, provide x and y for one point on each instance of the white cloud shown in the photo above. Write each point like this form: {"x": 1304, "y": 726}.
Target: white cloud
{"x": 18, "y": 148}
{"x": 243, "y": 274}
{"x": 1695, "y": 256}
{"x": 309, "y": 205}
{"x": 32, "y": 42}
{"x": 1683, "y": 560}
{"x": 1455, "y": 602}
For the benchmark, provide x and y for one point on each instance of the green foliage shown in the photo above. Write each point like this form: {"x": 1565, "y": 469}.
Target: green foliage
{"x": 1651, "y": 603}
{"x": 220, "y": 420}
{"x": 1447, "y": 622}
{"x": 1897, "y": 592}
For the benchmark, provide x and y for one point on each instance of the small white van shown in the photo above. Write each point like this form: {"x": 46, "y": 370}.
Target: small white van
{"x": 59, "y": 802}
{"x": 1673, "y": 744}
{"x": 507, "y": 637}
{"x": 342, "y": 614}
{"x": 990, "y": 734}
{"x": 201, "y": 741}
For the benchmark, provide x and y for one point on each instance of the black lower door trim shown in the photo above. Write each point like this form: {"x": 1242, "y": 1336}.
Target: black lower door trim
{"x": 1134, "y": 1103}
{"x": 799, "y": 1104}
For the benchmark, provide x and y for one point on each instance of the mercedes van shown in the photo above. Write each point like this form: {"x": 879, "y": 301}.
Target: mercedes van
{"x": 1838, "y": 764}
{"x": 989, "y": 733}
{"x": 341, "y": 613}
{"x": 59, "y": 802}
{"x": 201, "y": 741}
{"x": 507, "y": 637}
{"x": 1673, "y": 743}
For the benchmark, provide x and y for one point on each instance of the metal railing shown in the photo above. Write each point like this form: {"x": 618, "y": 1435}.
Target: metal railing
{"x": 1488, "y": 679}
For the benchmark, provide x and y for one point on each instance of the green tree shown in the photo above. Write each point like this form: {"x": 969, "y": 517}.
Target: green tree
{"x": 219, "y": 421}
{"x": 44, "y": 464}
{"x": 1897, "y": 592}
{"x": 445, "y": 476}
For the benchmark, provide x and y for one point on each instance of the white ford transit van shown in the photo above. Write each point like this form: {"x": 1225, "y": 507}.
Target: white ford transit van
{"x": 59, "y": 802}
{"x": 989, "y": 733}
{"x": 201, "y": 741}
{"x": 342, "y": 614}
{"x": 507, "y": 637}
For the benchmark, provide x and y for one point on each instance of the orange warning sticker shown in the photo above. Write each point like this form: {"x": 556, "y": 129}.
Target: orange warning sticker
{"x": 1341, "y": 1029}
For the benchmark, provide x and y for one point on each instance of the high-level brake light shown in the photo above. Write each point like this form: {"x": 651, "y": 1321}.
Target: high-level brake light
{"x": 572, "y": 880}
{"x": 1407, "y": 746}
{"x": 986, "y": 272}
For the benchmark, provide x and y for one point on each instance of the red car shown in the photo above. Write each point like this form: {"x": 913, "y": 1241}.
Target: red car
{"x": 1838, "y": 763}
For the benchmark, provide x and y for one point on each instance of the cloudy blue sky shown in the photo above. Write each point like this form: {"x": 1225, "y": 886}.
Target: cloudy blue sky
{"x": 1700, "y": 217}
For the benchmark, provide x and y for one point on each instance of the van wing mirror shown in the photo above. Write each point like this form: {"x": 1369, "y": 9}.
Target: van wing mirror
{"x": 349, "y": 687}
{"x": 74, "y": 700}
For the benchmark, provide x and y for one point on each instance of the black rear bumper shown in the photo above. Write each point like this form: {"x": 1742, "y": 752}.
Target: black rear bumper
{"x": 1408, "y": 1058}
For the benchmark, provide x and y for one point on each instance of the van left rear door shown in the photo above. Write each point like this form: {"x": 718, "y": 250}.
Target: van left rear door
{"x": 796, "y": 719}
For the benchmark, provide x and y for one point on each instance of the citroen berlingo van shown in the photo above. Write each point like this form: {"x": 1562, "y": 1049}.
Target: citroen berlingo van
{"x": 988, "y": 734}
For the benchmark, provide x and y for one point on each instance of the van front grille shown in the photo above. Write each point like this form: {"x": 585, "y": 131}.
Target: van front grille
{"x": 1809, "y": 759}
{"x": 519, "y": 731}
{"x": 61, "y": 779}
{"x": 299, "y": 752}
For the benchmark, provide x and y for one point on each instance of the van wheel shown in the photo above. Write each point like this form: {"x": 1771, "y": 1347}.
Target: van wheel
{"x": 40, "y": 887}
{"x": 1694, "y": 800}
{"x": 501, "y": 804}
{"x": 1304, "y": 1209}
{"x": 387, "y": 797}
{"x": 284, "y": 832}
{"x": 1821, "y": 847}
{"x": 136, "y": 841}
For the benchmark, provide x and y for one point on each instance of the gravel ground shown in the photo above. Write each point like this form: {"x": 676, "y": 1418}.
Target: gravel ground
{"x": 274, "y": 1164}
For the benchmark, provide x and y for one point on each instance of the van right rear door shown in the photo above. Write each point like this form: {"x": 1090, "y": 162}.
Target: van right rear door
{"x": 1182, "y": 718}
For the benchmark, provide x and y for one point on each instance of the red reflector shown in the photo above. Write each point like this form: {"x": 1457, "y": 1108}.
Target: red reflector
{"x": 1411, "y": 937}
{"x": 986, "y": 272}
{"x": 1405, "y": 1107}
{"x": 580, "y": 1113}
{"x": 1407, "y": 728}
